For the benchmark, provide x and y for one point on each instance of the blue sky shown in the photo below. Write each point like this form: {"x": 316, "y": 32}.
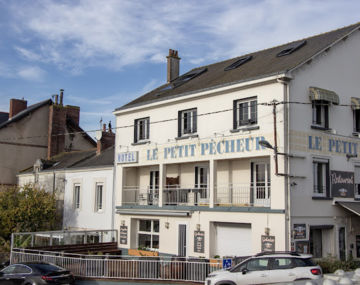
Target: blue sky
{"x": 106, "y": 53}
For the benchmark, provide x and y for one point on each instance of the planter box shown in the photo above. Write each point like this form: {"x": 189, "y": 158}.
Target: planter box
{"x": 140, "y": 252}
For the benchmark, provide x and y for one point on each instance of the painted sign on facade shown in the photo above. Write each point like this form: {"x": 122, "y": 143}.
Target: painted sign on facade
{"x": 267, "y": 243}
{"x": 127, "y": 157}
{"x": 342, "y": 184}
{"x": 332, "y": 145}
{"x": 206, "y": 148}
{"x": 199, "y": 240}
{"x": 299, "y": 231}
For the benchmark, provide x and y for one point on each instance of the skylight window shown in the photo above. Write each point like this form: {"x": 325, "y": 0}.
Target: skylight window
{"x": 188, "y": 76}
{"x": 239, "y": 62}
{"x": 291, "y": 48}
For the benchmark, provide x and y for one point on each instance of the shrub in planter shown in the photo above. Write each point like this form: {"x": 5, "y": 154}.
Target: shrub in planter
{"x": 330, "y": 264}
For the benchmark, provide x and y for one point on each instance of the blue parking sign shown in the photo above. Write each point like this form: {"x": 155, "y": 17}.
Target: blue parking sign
{"x": 227, "y": 263}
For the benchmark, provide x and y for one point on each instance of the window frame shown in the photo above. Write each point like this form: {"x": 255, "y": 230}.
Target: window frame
{"x": 356, "y": 121}
{"x": 325, "y": 181}
{"x": 77, "y": 196}
{"x": 144, "y": 134}
{"x": 356, "y": 183}
{"x": 191, "y": 126}
{"x": 239, "y": 113}
{"x": 151, "y": 233}
{"x": 320, "y": 114}
{"x": 97, "y": 208}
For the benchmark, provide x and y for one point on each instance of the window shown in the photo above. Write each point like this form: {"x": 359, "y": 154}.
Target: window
{"x": 148, "y": 234}
{"x": 77, "y": 196}
{"x": 245, "y": 112}
{"x": 257, "y": 264}
{"x": 99, "y": 197}
{"x": 291, "y": 48}
{"x": 282, "y": 263}
{"x": 141, "y": 129}
{"x": 187, "y": 122}
{"x": 239, "y": 62}
{"x": 356, "y": 120}
{"x": 357, "y": 182}
{"x": 320, "y": 113}
{"x": 321, "y": 178}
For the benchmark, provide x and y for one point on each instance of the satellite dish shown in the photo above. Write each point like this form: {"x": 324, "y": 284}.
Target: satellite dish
{"x": 98, "y": 135}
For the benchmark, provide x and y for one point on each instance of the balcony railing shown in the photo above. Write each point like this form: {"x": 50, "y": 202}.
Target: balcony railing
{"x": 229, "y": 195}
{"x": 242, "y": 195}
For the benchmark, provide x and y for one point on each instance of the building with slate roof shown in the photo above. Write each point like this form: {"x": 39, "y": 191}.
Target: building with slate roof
{"x": 254, "y": 153}
{"x": 39, "y": 131}
{"x": 82, "y": 182}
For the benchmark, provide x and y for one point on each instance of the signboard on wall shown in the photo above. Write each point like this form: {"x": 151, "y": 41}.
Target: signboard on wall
{"x": 299, "y": 231}
{"x": 342, "y": 184}
{"x": 123, "y": 234}
{"x": 267, "y": 243}
{"x": 199, "y": 240}
{"x": 127, "y": 157}
{"x": 302, "y": 246}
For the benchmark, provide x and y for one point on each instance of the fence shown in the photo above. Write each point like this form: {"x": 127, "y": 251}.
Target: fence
{"x": 124, "y": 267}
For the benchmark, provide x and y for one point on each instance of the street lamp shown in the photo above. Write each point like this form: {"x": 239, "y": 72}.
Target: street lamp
{"x": 266, "y": 144}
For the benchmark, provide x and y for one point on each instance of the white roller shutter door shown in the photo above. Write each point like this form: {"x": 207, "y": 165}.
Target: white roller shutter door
{"x": 232, "y": 239}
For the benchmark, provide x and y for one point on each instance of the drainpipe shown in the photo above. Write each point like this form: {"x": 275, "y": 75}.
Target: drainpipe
{"x": 113, "y": 190}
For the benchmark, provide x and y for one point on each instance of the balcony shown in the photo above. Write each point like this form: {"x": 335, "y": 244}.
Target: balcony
{"x": 229, "y": 195}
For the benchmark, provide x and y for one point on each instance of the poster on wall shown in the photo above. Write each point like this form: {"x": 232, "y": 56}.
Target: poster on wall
{"x": 299, "y": 231}
{"x": 342, "y": 184}
{"x": 123, "y": 234}
{"x": 199, "y": 239}
{"x": 267, "y": 243}
{"x": 302, "y": 246}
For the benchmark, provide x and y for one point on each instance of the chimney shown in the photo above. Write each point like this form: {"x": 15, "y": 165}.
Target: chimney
{"x": 56, "y": 96}
{"x": 107, "y": 140}
{"x": 61, "y": 96}
{"x": 173, "y": 65}
{"x": 16, "y": 106}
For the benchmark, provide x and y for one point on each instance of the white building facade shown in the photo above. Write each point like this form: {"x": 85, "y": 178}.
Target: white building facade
{"x": 193, "y": 179}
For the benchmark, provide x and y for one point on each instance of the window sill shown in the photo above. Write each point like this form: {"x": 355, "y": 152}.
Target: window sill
{"x": 184, "y": 137}
{"x": 321, "y": 198}
{"x": 141, "y": 143}
{"x": 245, "y": 128}
{"x": 356, "y": 134}
{"x": 315, "y": 127}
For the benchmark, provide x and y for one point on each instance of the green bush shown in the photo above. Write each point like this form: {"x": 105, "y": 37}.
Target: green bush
{"x": 331, "y": 264}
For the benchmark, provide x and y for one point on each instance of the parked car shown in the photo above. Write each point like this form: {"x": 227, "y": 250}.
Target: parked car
{"x": 266, "y": 268}
{"x": 35, "y": 273}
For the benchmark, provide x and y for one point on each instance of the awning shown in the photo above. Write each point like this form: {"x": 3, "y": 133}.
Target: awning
{"x": 355, "y": 103}
{"x": 353, "y": 207}
{"x": 316, "y": 94}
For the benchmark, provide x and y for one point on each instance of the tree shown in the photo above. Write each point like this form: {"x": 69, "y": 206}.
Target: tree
{"x": 26, "y": 209}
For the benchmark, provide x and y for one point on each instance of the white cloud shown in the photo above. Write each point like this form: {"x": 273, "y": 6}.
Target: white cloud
{"x": 32, "y": 73}
{"x": 77, "y": 34}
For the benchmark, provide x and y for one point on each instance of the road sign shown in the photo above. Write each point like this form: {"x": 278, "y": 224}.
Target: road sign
{"x": 227, "y": 262}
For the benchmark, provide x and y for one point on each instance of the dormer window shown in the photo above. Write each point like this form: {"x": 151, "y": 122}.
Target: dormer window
{"x": 245, "y": 112}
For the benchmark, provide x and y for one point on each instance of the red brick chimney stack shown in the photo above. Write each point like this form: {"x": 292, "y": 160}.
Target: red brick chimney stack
{"x": 16, "y": 106}
{"x": 173, "y": 65}
{"x": 107, "y": 139}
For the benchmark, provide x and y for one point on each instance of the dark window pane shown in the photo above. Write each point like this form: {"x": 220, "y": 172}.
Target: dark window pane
{"x": 145, "y": 226}
{"x": 155, "y": 241}
{"x": 144, "y": 240}
{"x": 156, "y": 226}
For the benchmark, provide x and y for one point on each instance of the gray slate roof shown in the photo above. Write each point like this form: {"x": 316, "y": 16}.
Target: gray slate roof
{"x": 25, "y": 112}
{"x": 264, "y": 63}
{"x": 105, "y": 158}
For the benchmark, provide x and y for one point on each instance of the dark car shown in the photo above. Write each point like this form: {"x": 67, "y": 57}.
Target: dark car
{"x": 35, "y": 273}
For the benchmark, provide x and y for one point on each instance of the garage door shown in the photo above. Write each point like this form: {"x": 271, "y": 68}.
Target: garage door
{"x": 232, "y": 239}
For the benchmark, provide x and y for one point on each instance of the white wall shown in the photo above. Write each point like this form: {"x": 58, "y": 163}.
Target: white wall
{"x": 86, "y": 217}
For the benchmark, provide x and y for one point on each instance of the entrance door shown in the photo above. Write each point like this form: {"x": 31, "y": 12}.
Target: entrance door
{"x": 154, "y": 187}
{"x": 261, "y": 175}
{"x": 342, "y": 253}
{"x": 316, "y": 242}
{"x": 201, "y": 184}
{"x": 182, "y": 240}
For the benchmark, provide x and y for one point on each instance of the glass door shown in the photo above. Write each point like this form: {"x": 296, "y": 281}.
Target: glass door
{"x": 261, "y": 183}
{"x": 154, "y": 187}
